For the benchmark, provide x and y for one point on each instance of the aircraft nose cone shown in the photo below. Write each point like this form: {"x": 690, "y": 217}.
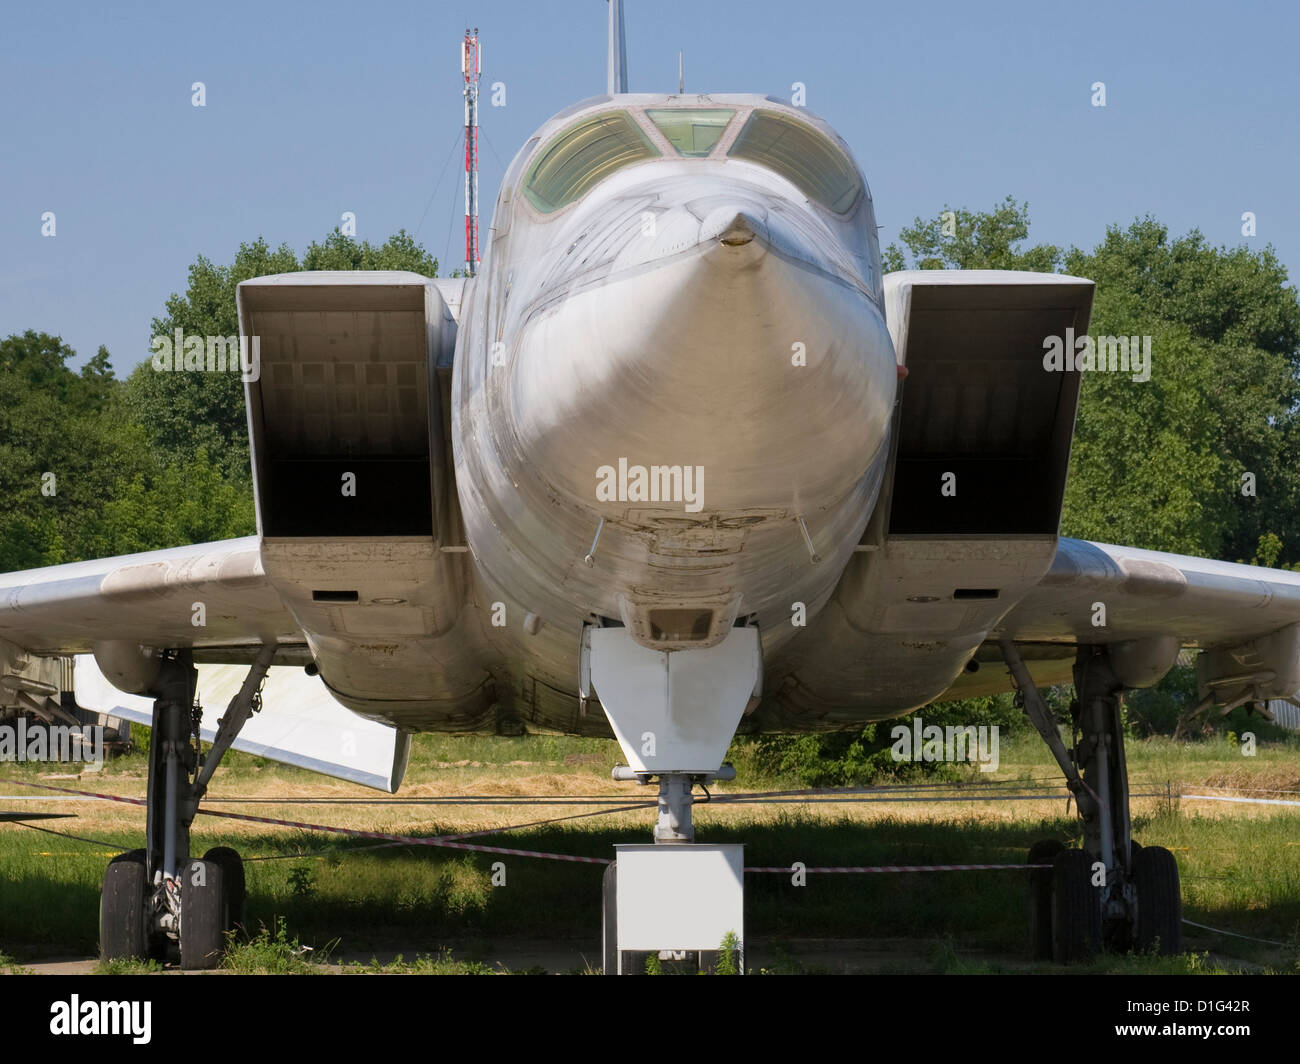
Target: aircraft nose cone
{"x": 741, "y": 231}
{"x": 769, "y": 372}
{"x": 734, "y": 228}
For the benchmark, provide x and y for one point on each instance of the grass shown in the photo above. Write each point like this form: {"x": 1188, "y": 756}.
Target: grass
{"x": 9, "y": 966}
{"x": 273, "y": 952}
{"x": 426, "y": 964}
{"x": 947, "y": 961}
{"x": 128, "y": 967}
{"x": 1240, "y": 864}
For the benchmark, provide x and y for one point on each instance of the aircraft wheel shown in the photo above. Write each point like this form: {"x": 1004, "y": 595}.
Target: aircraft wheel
{"x": 1159, "y": 901}
{"x": 1040, "y": 898}
{"x": 204, "y": 914}
{"x": 232, "y": 868}
{"x": 123, "y": 932}
{"x": 1076, "y": 908}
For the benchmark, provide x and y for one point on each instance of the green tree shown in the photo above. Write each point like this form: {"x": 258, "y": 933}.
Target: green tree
{"x": 66, "y": 447}
{"x": 1160, "y": 464}
{"x": 398, "y": 252}
{"x": 184, "y": 413}
{"x": 169, "y": 505}
{"x": 959, "y": 239}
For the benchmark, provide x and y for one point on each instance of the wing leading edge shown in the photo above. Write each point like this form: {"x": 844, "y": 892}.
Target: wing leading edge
{"x": 1245, "y": 619}
{"x": 210, "y": 596}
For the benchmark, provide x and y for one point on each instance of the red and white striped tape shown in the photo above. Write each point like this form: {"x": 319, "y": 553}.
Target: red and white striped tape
{"x": 910, "y": 868}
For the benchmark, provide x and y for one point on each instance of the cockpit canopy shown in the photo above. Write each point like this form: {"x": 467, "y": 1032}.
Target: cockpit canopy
{"x": 691, "y": 131}
{"x": 592, "y": 148}
{"x": 801, "y": 155}
{"x": 585, "y": 153}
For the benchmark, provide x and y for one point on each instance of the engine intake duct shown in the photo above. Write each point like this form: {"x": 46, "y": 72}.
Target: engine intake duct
{"x": 345, "y": 418}
{"x": 982, "y": 437}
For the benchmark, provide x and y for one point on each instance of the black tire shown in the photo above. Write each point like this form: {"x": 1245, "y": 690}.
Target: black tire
{"x": 1159, "y": 902}
{"x": 203, "y": 915}
{"x": 123, "y": 931}
{"x": 1040, "y": 898}
{"x": 1076, "y": 908}
{"x": 232, "y": 868}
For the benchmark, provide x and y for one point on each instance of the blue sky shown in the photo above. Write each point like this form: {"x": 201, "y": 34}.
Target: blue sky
{"x": 317, "y": 109}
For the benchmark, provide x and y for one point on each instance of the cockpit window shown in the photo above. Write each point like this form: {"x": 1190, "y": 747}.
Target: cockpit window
{"x": 820, "y": 170}
{"x": 585, "y": 153}
{"x": 693, "y": 133}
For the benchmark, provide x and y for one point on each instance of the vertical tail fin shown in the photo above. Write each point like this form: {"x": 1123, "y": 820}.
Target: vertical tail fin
{"x": 616, "y": 81}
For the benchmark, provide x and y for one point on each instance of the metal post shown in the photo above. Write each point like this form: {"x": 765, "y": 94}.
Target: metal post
{"x": 616, "y": 72}
{"x": 612, "y": 961}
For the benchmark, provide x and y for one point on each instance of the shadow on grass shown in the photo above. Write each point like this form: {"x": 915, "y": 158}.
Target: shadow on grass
{"x": 422, "y": 897}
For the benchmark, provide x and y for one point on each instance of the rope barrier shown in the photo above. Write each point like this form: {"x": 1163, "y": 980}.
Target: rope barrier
{"x": 456, "y": 841}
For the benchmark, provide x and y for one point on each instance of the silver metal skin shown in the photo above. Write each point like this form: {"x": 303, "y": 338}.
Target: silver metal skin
{"x": 685, "y": 312}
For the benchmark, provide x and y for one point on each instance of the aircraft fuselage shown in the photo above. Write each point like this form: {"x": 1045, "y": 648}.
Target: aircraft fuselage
{"x": 687, "y": 363}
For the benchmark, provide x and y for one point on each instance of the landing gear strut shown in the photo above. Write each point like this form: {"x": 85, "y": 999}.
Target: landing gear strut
{"x": 674, "y": 823}
{"x": 1111, "y": 893}
{"x": 158, "y": 902}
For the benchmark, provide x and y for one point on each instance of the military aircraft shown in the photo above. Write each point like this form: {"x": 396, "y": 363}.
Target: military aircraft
{"x": 679, "y": 459}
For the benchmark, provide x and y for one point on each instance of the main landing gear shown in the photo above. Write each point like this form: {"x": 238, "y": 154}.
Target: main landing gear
{"x": 159, "y": 902}
{"x": 1112, "y": 893}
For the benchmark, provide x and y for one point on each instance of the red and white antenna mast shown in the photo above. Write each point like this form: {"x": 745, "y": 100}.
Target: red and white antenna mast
{"x": 471, "y": 65}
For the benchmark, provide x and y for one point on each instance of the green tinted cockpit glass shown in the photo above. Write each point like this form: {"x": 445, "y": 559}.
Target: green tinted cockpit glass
{"x": 585, "y": 153}
{"x": 693, "y": 133}
{"x": 802, "y": 155}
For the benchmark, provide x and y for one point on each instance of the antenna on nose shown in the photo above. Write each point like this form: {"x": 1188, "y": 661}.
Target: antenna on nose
{"x": 616, "y": 80}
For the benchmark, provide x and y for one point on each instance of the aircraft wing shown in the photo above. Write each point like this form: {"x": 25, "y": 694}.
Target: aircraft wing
{"x": 213, "y": 597}
{"x": 158, "y": 599}
{"x": 1139, "y": 594}
{"x": 1245, "y": 618}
